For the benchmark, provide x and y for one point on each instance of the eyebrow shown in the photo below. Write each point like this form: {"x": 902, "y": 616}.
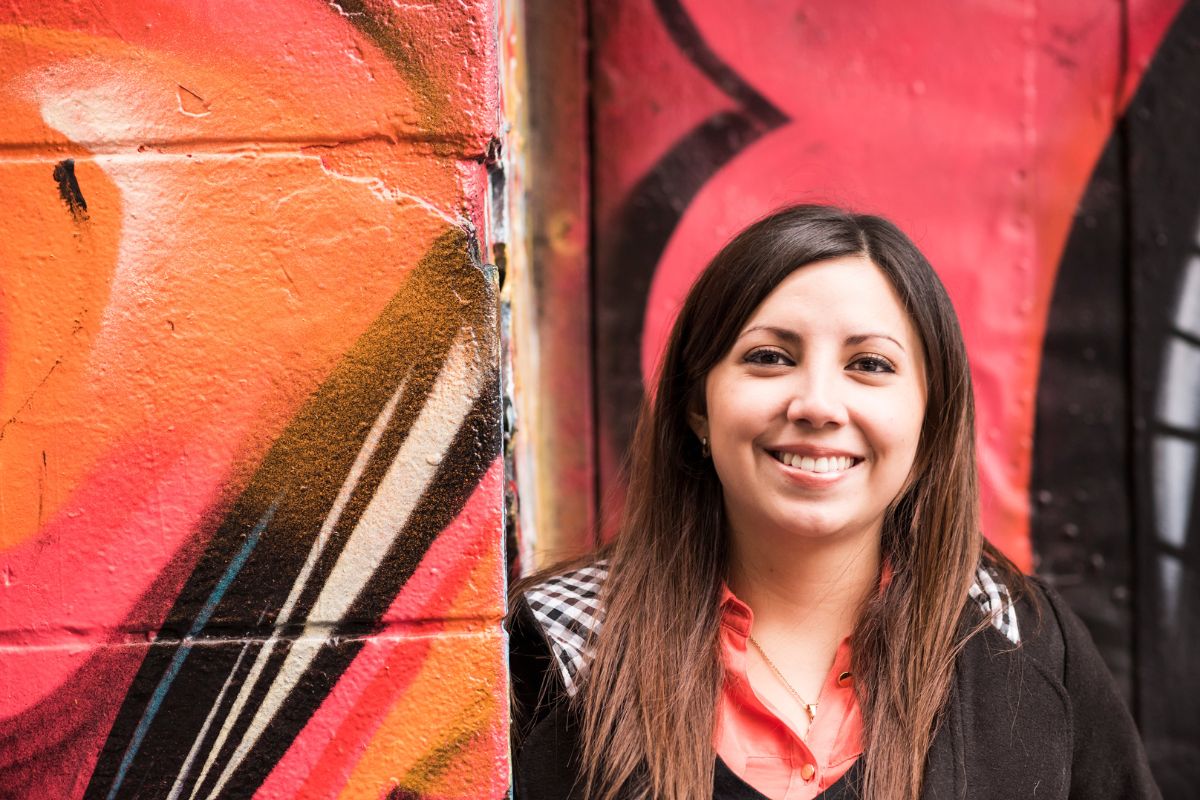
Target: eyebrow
{"x": 791, "y": 337}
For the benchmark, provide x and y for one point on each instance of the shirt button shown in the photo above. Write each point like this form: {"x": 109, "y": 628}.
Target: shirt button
{"x": 808, "y": 772}
{"x": 845, "y": 679}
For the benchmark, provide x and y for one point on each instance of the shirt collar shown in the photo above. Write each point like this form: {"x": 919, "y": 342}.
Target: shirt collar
{"x": 735, "y": 615}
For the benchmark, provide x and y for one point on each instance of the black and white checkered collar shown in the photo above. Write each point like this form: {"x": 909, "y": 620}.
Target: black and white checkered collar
{"x": 567, "y": 607}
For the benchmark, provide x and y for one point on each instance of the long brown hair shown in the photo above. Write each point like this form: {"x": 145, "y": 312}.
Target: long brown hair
{"x": 648, "y": 703}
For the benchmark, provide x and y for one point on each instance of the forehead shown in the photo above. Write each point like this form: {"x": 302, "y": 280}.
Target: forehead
{"x": 847, "y": 295}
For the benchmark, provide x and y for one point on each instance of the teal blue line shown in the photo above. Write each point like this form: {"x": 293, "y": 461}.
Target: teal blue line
{"x": 181, "y": 654}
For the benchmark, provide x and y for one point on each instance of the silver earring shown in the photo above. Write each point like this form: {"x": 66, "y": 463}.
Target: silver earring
{"x": 704, "y": 451}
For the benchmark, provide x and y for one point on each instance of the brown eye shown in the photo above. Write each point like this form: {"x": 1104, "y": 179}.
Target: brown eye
{"x": 873, "y": 364}
{"x": 767, "y": 357}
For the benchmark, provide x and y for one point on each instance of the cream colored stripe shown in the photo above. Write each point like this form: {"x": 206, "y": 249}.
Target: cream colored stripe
{"x": 365, "y": 452}
{"x": 449, "y": 402}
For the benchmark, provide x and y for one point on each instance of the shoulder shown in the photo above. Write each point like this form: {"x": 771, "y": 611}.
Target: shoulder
{"x": 1037, "y": 628}
{"x": 1108, "y": 757}
{"x": 1039, "y": 706}
{"x": 565, "y": 611}
{"x": 551, "y": 626}
{"x": 1029, "y": 612}
{"x": 1007, "y": 715}
{"x": 561, "y": 615}
{"x": 552, "y": 623}
{"x": 1055, "y": 637}
{"x": 1025, "y": 629}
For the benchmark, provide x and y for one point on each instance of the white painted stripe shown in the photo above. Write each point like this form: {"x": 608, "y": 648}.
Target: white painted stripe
{"x": 1179, "y": 388}
{"x": 1187, "y": 313}
{"x": 1170, "y": 576}
{"x": 365, "y": 452}
{"x": 177, "y": 786}
{"x": 403, "y": 485}
{"x": 1174, "y": 471}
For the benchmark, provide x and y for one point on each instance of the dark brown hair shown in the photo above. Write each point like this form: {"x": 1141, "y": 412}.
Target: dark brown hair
{"x": 648, "y": 703}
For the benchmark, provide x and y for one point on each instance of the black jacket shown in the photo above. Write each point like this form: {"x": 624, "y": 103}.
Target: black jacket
{"x": 1039, "y": 720}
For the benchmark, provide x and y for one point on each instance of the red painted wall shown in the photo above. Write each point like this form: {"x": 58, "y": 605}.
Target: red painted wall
{"x": 1041, "y": 154}
{"x": 250, "y": 487}
{"x": 974, "y": 127}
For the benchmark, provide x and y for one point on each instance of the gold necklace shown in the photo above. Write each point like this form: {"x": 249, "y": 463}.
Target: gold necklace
{"x": 809, "y": 708}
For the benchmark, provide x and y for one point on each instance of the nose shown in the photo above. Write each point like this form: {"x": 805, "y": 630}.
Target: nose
{"x": 816, "y": 401}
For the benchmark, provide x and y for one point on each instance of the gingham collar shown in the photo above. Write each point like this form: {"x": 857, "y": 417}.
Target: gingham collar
{"x": 567, "y": 608}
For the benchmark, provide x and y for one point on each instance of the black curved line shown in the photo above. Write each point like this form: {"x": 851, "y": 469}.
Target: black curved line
{"x": 626, "y": 268}
{"x": 1073, "y": 453}
{"x": 648, "y": 217}
{"x": 691, "y": 42}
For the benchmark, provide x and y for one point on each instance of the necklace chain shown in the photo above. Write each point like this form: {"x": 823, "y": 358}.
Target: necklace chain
{"x": 809, "y": 708}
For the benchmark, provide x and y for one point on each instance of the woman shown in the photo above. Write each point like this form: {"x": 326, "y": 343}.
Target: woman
{"x": 799, "y": 602}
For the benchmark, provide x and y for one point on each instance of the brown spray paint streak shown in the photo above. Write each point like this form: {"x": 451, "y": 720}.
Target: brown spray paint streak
{"x": 250, "y": 215}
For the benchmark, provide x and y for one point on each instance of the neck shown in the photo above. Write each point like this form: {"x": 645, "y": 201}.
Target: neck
{"x": 819, "y": 586}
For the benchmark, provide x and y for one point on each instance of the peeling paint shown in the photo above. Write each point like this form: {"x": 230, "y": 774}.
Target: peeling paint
{"x": 191, "y": 103}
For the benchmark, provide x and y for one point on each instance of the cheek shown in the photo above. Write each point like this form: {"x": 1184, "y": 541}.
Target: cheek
{"x": 733, "y": 435}
{"x": 737, "y": 416}
{"x": 906, "y": 435}
{"x": 904, "y": 413}
{"x": 896, "y": 436}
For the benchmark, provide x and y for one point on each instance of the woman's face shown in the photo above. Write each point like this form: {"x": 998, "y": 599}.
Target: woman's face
{"x": 814, "y": 416}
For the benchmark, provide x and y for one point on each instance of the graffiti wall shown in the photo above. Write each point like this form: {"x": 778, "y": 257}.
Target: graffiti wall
{"x": 250, "y": 478}
{"x": 1041, "y": 154}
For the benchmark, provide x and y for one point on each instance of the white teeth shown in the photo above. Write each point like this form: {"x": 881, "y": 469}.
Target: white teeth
{"x": 822, "y": 464}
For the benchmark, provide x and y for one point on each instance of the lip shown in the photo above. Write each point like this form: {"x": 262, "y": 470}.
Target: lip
{"x": 813, "y": 480}
{"x": 813, "y": 451}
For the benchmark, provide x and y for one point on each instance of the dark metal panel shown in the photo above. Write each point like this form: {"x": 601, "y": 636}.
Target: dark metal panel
{"x": 1081, "y": 521}
{"x": 1164, "y": 130}
{"x": 714, "y": 113}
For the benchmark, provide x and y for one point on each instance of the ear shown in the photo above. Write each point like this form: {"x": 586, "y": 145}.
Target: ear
{"x": 699, "y": 424}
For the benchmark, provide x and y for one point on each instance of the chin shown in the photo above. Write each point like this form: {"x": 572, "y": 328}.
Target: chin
{"x": 812, "y": 526}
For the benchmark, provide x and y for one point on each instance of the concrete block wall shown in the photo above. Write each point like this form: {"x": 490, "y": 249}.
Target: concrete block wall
{"x": 250, "y": 476}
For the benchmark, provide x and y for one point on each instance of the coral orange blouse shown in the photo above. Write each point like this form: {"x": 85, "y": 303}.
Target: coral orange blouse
{"x": 758, "y": 742}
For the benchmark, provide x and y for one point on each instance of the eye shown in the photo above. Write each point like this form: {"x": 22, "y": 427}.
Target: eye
{"x": 767, "y": 357}
{"x": 872, "y": 363}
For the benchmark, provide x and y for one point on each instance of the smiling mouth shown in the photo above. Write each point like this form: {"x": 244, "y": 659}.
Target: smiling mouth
{"x": 810, "y": 464}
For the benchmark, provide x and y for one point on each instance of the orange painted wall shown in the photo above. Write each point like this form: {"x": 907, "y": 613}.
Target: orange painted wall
{"x": 250, "y": 479}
